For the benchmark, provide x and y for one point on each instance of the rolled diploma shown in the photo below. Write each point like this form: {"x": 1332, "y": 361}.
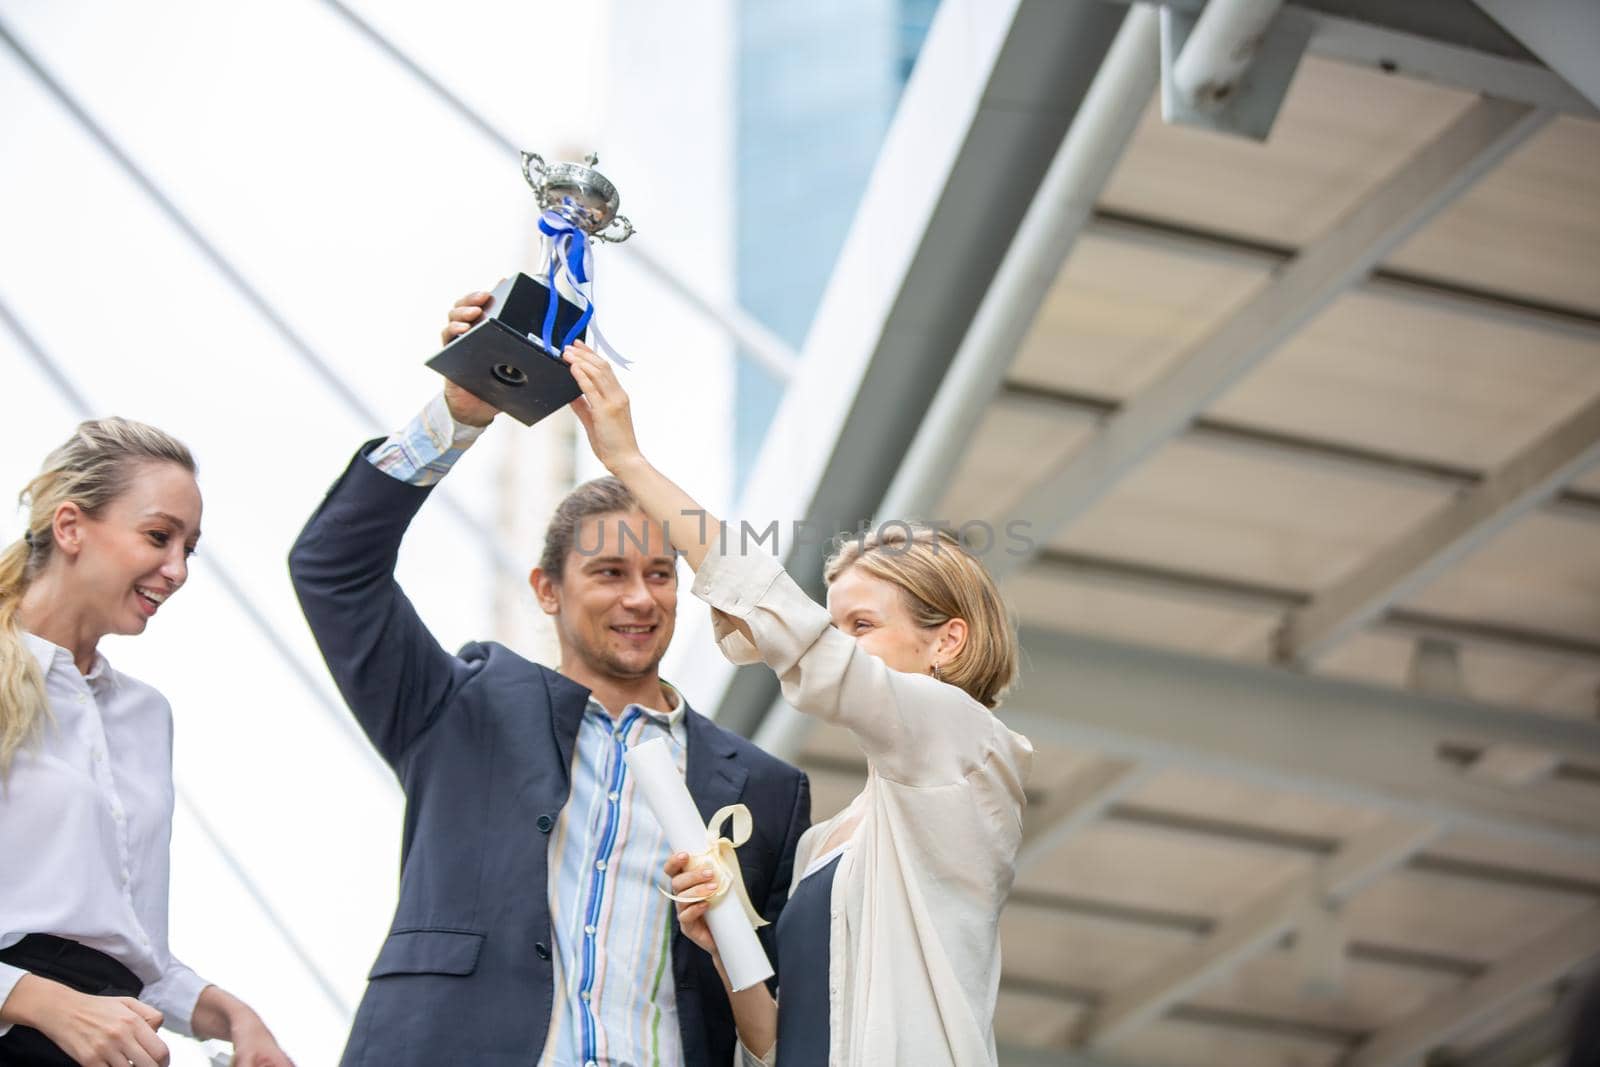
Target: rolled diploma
{"x": 664, "y": 790}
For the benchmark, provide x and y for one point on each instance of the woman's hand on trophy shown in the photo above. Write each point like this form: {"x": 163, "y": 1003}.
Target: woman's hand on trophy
{"x": 603, "y": 408}
{"x": 466, "y": 408}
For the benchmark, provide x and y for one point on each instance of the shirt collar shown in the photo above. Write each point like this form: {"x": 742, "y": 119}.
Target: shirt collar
{"x": 670, "y": 718}
{"x": 49, "y": 655}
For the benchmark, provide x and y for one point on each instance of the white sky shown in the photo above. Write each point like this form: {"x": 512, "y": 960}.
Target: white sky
{"x": 359, "y": 206}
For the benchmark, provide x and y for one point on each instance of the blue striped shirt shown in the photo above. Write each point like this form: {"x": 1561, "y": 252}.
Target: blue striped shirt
{"x": 616, "y": 1004}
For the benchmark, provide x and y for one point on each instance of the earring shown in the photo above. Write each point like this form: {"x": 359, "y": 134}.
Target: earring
{"x": 934, "y": 670}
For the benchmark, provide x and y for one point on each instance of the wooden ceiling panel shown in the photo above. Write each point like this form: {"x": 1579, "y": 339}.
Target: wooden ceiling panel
{"x": 1371, "y": 995}
{"x": 1082, "y": 952}
{"x": 1542, "y": 573}
{"x": 1475, "y": 920}
{"x": 1140, "y": 866}
{"x": 1545, "y": 683}
{"x": 1034, "y": 1020}
{"x": 1341, "y": 130}
{"x": 1010, "y": 450}
{"x": 1394, "y": 376}
{"x": 1498, "y": 1021}
{"x": 1120, "y": 314}
{"x": 1530, "y": 228}
{"x": 1181, "y": 1043}
{"x": 1248, "y": 517}
{"x": 1226, "y": 800}
{"x": 1518, "y": 855}
{"x": 1053, "y": 602}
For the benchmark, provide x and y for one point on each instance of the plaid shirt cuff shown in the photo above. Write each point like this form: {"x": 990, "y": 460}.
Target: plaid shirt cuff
{"x": 428, "y": 446}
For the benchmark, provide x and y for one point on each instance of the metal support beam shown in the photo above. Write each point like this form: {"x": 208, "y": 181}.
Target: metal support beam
{"x": 1074, "y": 805}
{"x": 1126, "y": 812}
{"x": 1540, "y": 963}
{"x": 1563, "y": 33}
{"x": 1196, "y": 925}
{"x": 1438, "y": 43}
{"x": 1449, "y": 535}
{"x": 1359, "y": 744}
{"x": 1088, "y": 154}
{"x": 1229, "y": 68}
{"x": 1403, "y": 287}
{"x": 1257, "y": 927}
{"x": 1455, "y": 64}
{"x": 1439, "y": 172}
{"x": 1138, "y": 576}
{"x": 1240, "y": 438}
{"x": 1224, "y": 40}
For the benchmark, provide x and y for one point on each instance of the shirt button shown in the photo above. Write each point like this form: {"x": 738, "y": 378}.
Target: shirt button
{"x": 590, "y": 1063}
{"x": 541, "y": 950}
{"x": 599, "y": 865}
{"x": 613, "y": 795}
{"x": 584, "y": 995}
{"x": 125, "y": 878}
{"x": 544, "y": 823}
{"x": 99, "y": 756}
{"x": 589, "y": 929}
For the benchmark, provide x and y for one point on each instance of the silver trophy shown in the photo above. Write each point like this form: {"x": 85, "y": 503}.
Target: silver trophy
{"x": 580, "y": 194}
{"x": 512, "y": 356}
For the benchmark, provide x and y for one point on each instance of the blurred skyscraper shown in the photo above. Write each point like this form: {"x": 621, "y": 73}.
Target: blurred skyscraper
{"x": 816, "y": 86}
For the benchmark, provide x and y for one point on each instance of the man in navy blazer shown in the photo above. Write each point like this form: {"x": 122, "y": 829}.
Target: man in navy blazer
{"x": 516, "y": 798}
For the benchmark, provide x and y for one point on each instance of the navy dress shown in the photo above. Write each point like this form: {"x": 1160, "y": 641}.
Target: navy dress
{"x": 803, "y": 956}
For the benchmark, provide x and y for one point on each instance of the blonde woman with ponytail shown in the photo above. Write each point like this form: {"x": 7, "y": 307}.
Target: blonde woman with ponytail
{"x": 86, "y": 791}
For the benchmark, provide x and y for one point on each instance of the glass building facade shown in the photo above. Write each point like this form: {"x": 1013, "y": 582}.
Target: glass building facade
{"x": 817, "y": 85}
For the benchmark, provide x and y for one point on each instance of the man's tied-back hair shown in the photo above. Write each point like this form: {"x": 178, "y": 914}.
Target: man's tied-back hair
{"x": 598, "y": 497}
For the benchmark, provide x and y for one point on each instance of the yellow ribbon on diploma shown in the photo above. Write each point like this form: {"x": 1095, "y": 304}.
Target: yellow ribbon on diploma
{"x": 720, "y": 857}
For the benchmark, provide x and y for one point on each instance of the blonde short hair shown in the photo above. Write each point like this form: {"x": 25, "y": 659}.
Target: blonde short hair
{"x": 941, "y": 580}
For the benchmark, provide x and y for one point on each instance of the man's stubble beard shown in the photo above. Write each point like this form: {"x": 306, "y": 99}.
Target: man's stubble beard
{"x": 603, "y": 661}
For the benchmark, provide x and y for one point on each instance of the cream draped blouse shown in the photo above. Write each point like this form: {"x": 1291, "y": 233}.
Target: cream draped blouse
{"x": 914, "y": 949}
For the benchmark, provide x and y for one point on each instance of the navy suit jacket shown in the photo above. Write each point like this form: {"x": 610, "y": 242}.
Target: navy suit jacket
{"x": 482, "y": 743}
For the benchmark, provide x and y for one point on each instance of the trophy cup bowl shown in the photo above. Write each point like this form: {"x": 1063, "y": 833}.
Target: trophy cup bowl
{"x": 580, "y": 194}
{"x": 503, "y": 358}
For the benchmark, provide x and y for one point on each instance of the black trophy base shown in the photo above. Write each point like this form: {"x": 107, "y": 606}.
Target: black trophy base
{"x": 501, "y": 359}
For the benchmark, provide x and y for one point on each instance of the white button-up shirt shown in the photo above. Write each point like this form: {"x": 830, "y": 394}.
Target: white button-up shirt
{"x": 86, "y": 827}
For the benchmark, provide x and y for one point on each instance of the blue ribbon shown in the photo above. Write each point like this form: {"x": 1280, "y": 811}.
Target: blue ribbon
{"x": 569, "y": 254}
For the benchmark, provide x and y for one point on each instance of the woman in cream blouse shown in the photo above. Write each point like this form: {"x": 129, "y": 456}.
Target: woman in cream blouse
{"x": 897, "y": 961}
